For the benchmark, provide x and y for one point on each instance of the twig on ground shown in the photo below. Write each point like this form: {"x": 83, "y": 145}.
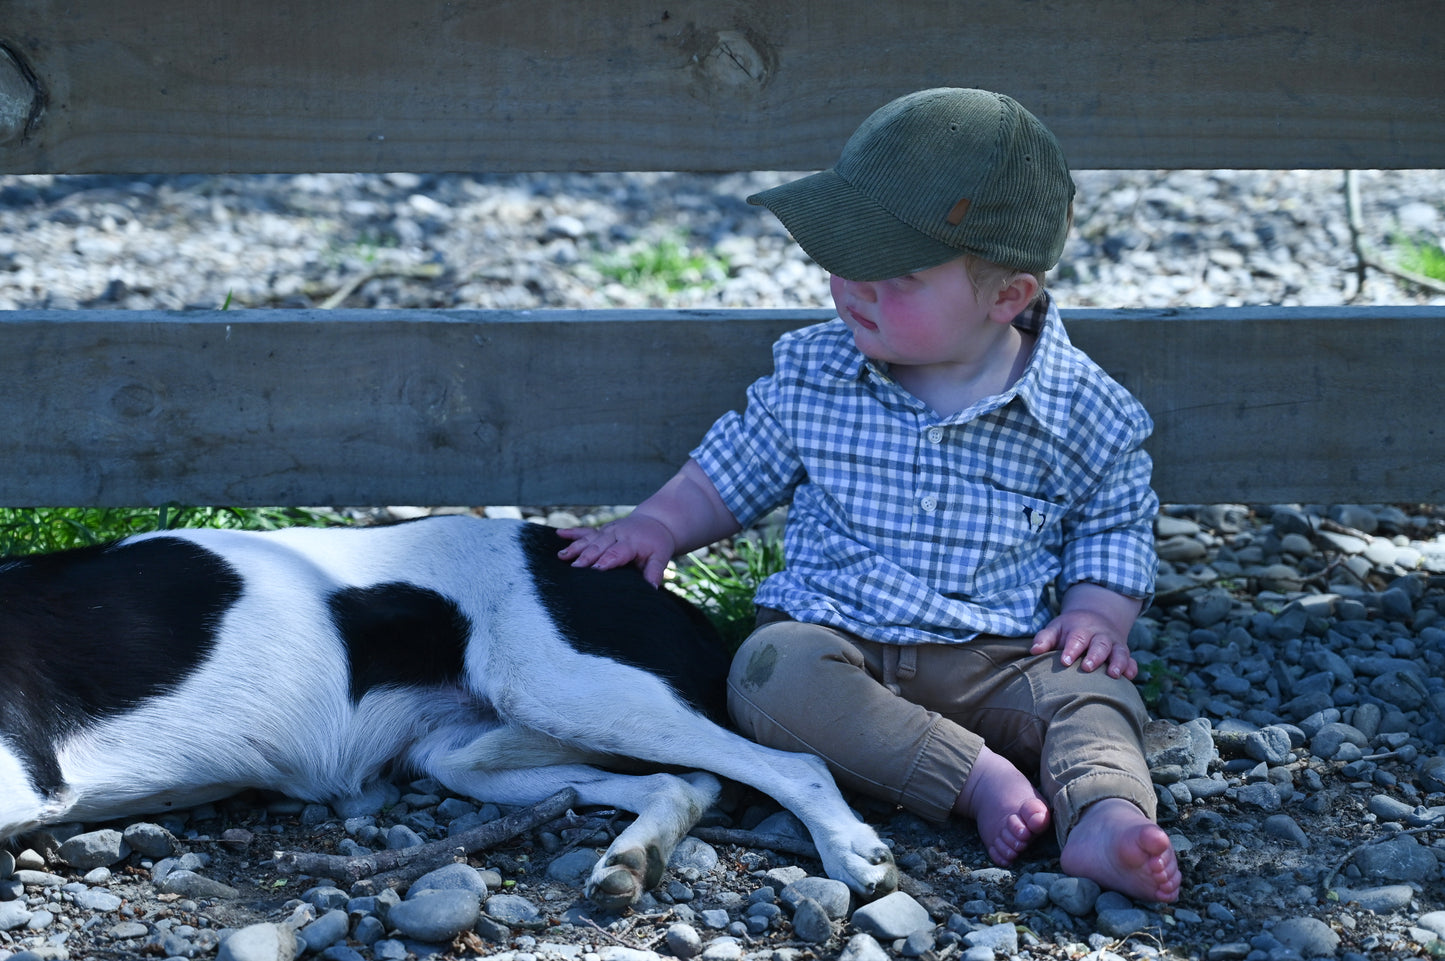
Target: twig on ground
{"x": 1356, "y": 223}
{"x": 1329, "y": 879}
{"x": 751, "y": 839}
{"x": 587, "y": 832}
{"x": 1366, "y": 258}
{"x": 615, "y": 939}
{"x": 427, "y": 856}
{"x": 1409, "y": 276}
{"x": 1335, "y": 527}
{"x": 420, "y": 272}
{"x": 572, "y": 822}
{"x": 1322, "y": 577}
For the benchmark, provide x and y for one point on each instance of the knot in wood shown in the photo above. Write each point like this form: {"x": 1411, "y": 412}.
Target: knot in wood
{"x": 20, "y": 99}
{"x": 135, "y": 400}
{"x": 734, "y": 62}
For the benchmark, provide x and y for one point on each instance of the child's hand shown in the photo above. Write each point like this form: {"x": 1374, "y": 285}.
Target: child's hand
{"x": 686, "y": 513}
{"x": 634, "y": 539}
{"x": 1087, "y": 634}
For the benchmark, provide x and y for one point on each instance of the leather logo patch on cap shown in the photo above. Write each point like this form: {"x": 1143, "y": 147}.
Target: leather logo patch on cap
{"x": 959, "y": 211}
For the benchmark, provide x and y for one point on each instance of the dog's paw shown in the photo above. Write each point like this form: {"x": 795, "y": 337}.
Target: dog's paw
{"x": 880, "y": 877}
{"x": 621, "y": 877}
{"x": 613, "y": 888}
{"x": 866, "y": 866}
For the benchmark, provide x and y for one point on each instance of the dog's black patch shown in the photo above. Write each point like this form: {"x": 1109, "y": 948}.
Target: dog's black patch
{"x": 399, "y": 634}
{"x": 617, "y": 614}
{"x": 89, "y": 633}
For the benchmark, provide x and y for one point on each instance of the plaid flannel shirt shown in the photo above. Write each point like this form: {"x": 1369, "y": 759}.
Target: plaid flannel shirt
{"x": 907, "y": 527}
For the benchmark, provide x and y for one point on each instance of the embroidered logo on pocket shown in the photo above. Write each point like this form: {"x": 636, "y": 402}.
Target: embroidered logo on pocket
{"x": 1033, "y": 519}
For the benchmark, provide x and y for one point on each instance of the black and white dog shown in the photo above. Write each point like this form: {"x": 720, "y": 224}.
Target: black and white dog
{"x": 176, "y": 668}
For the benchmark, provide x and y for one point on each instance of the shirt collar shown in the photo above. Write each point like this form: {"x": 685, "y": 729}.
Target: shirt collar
{"x": 1042, "y": 387}
{"x": 1044, "y": 384}
{"x": 847, "y": 362}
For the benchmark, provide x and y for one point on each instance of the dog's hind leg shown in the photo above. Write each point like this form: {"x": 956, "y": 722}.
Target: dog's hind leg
{"x": 21, "y": 808}
{"x": 626, "y": 712}
{"x": 667, "y": 806}
{"x": 850, "y": 849}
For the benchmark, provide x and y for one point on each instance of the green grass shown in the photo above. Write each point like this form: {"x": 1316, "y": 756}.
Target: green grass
{"x": 1424, "y": 257}
{"x": 1155, "y": 680}
{"x": 33, "y": 530}
{"x": 665, "y": 266}
{"x": 366, "y": 248}
{"x": 723, "y": 582}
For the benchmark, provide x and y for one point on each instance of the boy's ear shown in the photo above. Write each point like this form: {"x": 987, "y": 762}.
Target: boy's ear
{"x": 1013, "y": 297}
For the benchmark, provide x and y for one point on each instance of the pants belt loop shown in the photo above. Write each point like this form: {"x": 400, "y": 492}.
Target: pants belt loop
{"x": 890, "y": 667}
{"x": 900, "y": 663}
{"x": 907, "y": 662}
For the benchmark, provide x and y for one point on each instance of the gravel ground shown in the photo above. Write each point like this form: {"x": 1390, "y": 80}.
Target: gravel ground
{"x": 1143, "y": 239}
{"x": 1293, "y": 657}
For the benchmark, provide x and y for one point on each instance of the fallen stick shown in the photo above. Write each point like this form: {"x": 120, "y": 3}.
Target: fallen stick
{"x": 1327, "y": 885}
{"x": 420, "y": 271}
{"x": 403, "y": 876}
{"x": 1410, "y": 276}
{"x": 430, "y": 855}
{"x": 751, "y": 839}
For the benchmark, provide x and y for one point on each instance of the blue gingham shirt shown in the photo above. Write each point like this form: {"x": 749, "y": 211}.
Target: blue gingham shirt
{"x": 909, "y": 527}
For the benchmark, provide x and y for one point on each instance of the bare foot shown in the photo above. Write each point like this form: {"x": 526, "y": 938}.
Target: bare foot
{"x": 1008, "y": 811}
{"x": 1117, "y": 845}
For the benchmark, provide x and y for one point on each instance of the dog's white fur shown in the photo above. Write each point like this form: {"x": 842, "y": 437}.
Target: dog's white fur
{"x": 270, "y": 707}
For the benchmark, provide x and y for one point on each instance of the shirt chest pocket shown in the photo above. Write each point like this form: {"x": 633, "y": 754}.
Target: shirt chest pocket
{"x": 1018, "y": 519}
{"x": 1023, "y": 534}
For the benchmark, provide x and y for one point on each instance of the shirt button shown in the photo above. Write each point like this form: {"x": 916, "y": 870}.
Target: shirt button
{"x": 929, "y": 504}
{"x": 935, "y": 435}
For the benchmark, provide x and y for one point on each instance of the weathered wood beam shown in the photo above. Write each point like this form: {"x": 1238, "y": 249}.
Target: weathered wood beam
{"x": 164, "y": 86}
{"x": 573, "y": 407}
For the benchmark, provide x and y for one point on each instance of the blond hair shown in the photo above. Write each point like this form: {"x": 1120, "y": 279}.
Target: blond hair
{"x": 989, "y": 278}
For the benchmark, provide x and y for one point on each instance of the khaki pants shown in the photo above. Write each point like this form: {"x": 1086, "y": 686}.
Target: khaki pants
{"x": 905, "y": 723}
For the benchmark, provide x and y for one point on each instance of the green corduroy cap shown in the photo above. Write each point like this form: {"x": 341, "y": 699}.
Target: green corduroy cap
{"x": 927, "y": 178}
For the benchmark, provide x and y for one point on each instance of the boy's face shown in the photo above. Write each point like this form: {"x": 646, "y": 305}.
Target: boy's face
{"x": 930, "y": 317}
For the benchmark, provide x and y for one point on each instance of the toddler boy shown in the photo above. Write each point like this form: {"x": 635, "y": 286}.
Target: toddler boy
{"x": 947, "y": 455}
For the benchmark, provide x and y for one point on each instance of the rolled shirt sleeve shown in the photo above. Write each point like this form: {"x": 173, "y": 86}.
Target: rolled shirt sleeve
{"x": 1110, "y": 541}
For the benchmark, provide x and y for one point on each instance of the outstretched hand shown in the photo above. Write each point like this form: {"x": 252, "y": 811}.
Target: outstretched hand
{"x": 635, "y": 539}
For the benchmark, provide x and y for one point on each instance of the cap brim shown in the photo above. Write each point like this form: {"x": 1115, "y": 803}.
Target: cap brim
{"x": 849, "y": 235}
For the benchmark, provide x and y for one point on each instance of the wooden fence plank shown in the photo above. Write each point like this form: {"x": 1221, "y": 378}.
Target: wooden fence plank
{"x": 1283, "y": 404}
{"x": 160, "y": 86}
{"x": 254, "y": 407}
{"x": 570, "y": 407}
